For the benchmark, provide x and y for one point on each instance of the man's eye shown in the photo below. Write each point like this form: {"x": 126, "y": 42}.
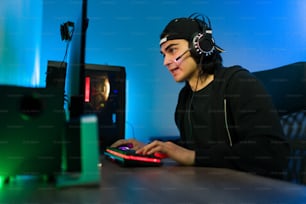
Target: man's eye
{"x": 172, "y": 50}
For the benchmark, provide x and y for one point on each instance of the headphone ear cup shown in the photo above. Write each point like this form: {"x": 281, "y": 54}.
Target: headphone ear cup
{"x": 202, "y": 44}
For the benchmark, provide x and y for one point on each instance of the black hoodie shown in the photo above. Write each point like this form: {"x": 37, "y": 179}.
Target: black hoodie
{"x": 245, "y": 129}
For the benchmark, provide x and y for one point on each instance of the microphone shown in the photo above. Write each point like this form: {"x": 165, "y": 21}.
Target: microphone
{"x": 180, "y": 56}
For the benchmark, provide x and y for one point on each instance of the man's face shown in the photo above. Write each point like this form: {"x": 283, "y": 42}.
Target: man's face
{"x": 184, "y": 68}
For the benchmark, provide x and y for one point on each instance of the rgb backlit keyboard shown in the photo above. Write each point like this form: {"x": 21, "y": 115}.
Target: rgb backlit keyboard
{"x": 128, "y": 157}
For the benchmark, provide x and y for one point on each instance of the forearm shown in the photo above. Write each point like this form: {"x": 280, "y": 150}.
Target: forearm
{"x": 173, "y": 151}
{"x": 183, "y": 156}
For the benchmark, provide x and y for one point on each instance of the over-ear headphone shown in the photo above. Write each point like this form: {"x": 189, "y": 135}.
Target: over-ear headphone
{"x": 202, "y": 43}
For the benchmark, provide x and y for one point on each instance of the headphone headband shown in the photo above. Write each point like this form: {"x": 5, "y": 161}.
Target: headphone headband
{"x": 202, "y": 43}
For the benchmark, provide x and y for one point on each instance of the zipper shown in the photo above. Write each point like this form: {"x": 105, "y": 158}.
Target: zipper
{"x": 226, "y": 123}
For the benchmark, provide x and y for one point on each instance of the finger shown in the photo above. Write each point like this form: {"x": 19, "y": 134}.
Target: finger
{"x": 139, "y": 150}
{"x": 142, "y": 150}
{"x": 152, "y": 147}
{"x": 118, "y": 143}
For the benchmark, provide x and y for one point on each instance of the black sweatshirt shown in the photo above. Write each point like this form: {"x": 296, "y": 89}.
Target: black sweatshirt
{"x": 242, "y": 128}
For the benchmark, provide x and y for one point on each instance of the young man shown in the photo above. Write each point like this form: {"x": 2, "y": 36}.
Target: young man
{"x": 224, "y": 115}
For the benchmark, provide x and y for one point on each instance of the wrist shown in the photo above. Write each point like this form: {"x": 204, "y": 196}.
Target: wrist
{"x": 192, "y": 157}
{"x": 189, "y": 158}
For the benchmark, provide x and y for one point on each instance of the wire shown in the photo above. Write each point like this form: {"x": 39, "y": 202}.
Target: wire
{"x": 66, "y": 99}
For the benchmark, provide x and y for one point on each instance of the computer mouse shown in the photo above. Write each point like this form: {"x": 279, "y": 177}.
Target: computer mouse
{"x": 126, "y": 146}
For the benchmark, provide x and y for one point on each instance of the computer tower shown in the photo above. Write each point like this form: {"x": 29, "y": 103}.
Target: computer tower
{"x": 105, "y": 89}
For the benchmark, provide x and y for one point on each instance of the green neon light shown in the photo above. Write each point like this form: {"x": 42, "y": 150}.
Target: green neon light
{"x": 2, "y": 180}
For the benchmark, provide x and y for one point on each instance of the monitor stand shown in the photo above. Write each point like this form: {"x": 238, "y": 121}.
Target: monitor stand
{"x": 90, "y": 162}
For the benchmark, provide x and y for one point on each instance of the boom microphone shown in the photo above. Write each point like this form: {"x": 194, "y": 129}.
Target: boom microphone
{"x": 179, "y": 57}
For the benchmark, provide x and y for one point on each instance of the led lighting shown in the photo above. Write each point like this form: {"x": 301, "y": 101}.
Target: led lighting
{"x": 87, "y": 89}
{"x": 133, "y": 157}
{"x": 2, "y": 179}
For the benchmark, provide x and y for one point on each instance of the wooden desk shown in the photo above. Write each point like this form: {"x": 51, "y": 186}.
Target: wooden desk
{"x": 166, "y": 184}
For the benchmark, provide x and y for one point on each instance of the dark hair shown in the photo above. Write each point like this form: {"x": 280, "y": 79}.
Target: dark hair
{"x": 209, "y": 63}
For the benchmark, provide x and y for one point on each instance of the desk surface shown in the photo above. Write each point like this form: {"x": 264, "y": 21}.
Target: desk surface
{"x": 167, "y": 184}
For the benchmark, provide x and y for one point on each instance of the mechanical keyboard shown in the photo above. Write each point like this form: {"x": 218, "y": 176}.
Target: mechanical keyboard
{"x": 129, "y": 158}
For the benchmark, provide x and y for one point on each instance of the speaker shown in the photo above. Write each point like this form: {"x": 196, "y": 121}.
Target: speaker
{"x": 104, "y": 96}
{"x": 31, "y": 130}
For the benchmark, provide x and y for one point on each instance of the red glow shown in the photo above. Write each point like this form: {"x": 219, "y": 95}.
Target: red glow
{"x": 134, "y": 157}
{"x": 87, "y": 89}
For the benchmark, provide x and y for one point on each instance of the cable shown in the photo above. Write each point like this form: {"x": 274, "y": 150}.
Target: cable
{"x": 67, "y": 39}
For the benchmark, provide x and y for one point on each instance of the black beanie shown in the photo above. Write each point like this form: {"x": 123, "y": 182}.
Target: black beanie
{"x": 186, "y": 28}
{"x": 181, "y": 28}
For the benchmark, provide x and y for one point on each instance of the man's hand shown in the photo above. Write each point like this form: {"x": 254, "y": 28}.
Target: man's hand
{"x": 179, "y": 154}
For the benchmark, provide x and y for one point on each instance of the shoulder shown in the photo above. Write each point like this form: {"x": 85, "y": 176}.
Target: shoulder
{"x": 229, "y": 72}
{"x": 240, "y": 80}
{"x": 236, "y": 79}
{"x": 233, "y": 74}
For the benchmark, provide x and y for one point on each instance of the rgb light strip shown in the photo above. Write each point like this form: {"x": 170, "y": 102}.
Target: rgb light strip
{"x": 87, "y": 89}
{"x": 133, "y": 157}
